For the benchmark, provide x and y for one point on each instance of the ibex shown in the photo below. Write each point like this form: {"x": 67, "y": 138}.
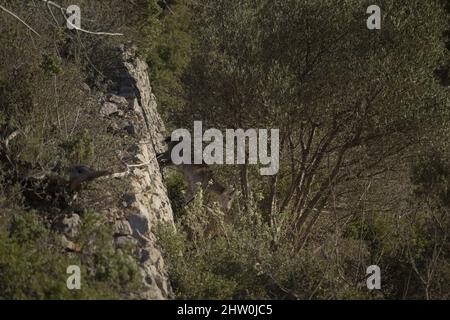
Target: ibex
{"x": 198, "y": 176}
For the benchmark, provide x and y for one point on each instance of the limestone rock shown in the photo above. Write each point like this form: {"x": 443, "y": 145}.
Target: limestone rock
{"x": 69, "y": 245}
{"x": 119, "y": 101}
{"x": 124, "y": 241}
{"x": 68, "y": 225}
{"x": 108, "y": 109}
{"x": 139, "y": 224}
{"x": 131, "y": 113}
{"x": 122, "y": 228}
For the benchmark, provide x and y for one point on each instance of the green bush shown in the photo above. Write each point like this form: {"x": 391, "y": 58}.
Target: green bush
{"x": 33, "y": 263}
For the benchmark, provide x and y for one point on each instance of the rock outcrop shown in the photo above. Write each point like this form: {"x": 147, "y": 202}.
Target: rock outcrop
{"x": 131, "y": 110}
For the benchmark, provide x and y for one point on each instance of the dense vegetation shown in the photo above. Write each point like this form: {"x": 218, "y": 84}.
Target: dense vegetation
{"x": 364, "y": 166}
{"x": 50, "y": 85}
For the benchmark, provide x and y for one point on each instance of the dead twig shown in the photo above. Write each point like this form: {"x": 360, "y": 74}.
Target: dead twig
{"x": 63, "y": 12}
{"x": 11, "y": 137}
{"x": 19, "y": 19}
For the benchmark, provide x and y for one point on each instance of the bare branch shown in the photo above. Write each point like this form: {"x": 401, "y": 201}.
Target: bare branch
{"x": 19, "y": 19}
{"x": 63, "y": 12}
{"x": 11, "y": 137}
{"x": 168, "y": 7}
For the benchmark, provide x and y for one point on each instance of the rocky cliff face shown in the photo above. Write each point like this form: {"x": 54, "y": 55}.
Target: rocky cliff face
{"x": 131, "y": 110}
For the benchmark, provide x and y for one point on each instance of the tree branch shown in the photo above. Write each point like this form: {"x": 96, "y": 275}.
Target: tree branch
{"x": 19, "y": 19}
{"x": 63, "y": 12}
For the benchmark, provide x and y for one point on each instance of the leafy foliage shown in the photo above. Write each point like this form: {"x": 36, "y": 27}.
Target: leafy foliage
{"x": 353, "y": 107}
{"x": 33, "y": 263}
{"x": 364, "y": 177}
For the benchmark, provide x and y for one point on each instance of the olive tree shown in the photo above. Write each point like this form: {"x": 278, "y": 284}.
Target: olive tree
{"x": 348, "y": 100}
